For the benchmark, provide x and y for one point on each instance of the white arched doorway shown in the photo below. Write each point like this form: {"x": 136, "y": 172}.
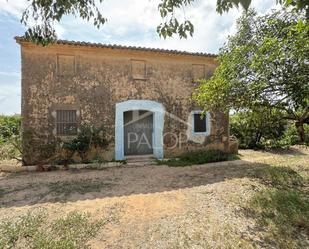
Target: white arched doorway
{"x": 157, "y": 110}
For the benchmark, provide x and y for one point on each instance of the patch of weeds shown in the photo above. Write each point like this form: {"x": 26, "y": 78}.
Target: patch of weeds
{"x": 198, "y": 157}
{"x": 97, "y": 166}
{"x": 285, "y": 213}
{"x": 226, "y": 237}
{"x": 278, "y": 176}
{"x": 194, "y": 230}
{"x": 119, "y": 161}
{"x": 33, "y": 231}
{"x": 13, "y": 232}
{"x": 80, "y": 186}
{"x": 98, "y": 160}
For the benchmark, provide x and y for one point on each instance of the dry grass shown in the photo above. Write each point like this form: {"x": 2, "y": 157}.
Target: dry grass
{"x": 260, "y": 204}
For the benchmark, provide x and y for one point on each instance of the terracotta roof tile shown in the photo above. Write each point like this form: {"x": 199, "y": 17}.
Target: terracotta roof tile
{"x": 115, "y": 46}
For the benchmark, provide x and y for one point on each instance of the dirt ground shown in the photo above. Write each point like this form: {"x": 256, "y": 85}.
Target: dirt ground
{"x": 156, "y": 206}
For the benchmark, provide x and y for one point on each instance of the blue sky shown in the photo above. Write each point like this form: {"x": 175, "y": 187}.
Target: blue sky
{"x": 130, "y": 22}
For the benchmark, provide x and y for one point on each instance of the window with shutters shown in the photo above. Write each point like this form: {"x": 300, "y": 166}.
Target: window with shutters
{"x": 66, "y": 122}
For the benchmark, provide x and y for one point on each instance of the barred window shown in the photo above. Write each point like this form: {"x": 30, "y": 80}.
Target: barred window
{"x": 66, "y": 122}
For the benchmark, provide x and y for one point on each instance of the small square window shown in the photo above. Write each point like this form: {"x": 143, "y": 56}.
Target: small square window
{"x": 65, "y": 65}
{"x": 199, "y": 122}
{"x": 66, "y": 122}
{"x": 198, "y": 72}
{"x": 138, "y": 68}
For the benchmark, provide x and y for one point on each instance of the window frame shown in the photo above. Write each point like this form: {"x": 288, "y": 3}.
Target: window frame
{"x": 144, "y": 77}
{"x": 60, "y": 74}
{"x": 64, "y": 122}
{"x": 65, "y": 107}
{"x": 193, "y": 66}
{"x": 207, "y": 120}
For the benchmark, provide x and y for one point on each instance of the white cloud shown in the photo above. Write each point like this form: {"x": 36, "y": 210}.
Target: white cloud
{"x": 134, "y": 22}
{"x": 130, "y": 22}
{"x": 16, "y": 8}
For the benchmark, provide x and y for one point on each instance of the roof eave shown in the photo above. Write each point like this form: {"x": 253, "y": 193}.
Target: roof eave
{"x": 21, "y": 39}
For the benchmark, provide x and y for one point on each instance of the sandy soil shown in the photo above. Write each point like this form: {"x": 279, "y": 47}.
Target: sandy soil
{"x": 156, "y": 206}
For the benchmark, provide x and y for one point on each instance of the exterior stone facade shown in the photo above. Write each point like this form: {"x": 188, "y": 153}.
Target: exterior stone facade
{"x": 92, "y": 80}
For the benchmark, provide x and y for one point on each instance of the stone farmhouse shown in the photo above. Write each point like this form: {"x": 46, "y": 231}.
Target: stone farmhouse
{"x": 141, "y": 95}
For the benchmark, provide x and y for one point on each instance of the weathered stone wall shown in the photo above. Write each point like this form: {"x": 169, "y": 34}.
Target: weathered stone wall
{"x": 100, "y": 78}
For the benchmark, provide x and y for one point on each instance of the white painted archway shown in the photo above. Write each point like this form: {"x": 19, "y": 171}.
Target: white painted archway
{"x": 158, "y": 124}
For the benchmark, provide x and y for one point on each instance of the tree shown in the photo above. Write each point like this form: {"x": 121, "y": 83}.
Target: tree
{"x": 40, "y": 16}
{"x": 265, "y": 64}
{"x": 255, "y": 129}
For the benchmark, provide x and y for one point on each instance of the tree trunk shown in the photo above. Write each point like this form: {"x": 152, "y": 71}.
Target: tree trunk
{"x": 301, "y": 131}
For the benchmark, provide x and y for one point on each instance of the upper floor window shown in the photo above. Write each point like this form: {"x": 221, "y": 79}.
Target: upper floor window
{"x": 65, "y": 65}
{"x": 198, "y": 72}
{"x": 66, "y": 122}
{"x": 138, "y": 69}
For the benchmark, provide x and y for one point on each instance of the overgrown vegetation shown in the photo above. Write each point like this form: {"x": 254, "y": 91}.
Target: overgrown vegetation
{"x": 282, "y": 207}
{"x": 254, "y": 128}
{"x": 73, "y": 231}
{"x": 85, "y": 147}
{"x": 10, "y": 136}
{"x": 279, "y": 177}
{"x": 198, "y": 157}
{"x": 87, "y": 139}
{"x": 264, "y": 65}
{"x": 265, "y": 128}
{"x": 285, "y": 213}
{"x": 9, "y": 127}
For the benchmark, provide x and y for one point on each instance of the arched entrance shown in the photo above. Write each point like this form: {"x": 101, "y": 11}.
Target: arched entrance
{"x": 139, "y": 128}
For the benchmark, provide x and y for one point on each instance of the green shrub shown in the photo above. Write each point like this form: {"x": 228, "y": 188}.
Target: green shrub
{"x": 87, "y": 138}
{"x": 10, "y": 137}
{"x": 264, "y": 128}
{"x": 9, "y": 126}
{"x": 257, "y": 129}
{"x": 9, "y": 151}
{"x": 291, "y": 136}
{"x": 198, "y": 157}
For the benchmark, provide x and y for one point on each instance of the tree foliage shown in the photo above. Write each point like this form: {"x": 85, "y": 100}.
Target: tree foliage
{"x": 41, "y": 15}
{"x": 9, "y": 127}
{"x": 265, "y": 64}
{"x": 259, "y": 128}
